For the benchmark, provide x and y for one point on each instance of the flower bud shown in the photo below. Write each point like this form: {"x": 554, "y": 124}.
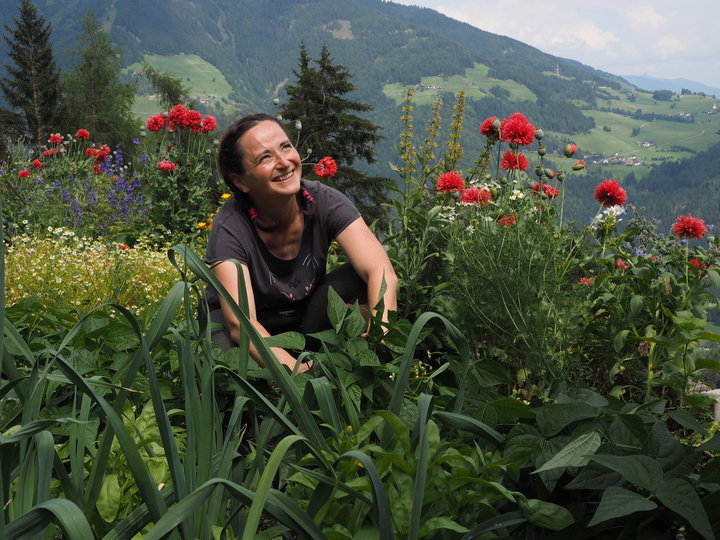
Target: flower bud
{"x": 549, "y": 173}
{"x": 561, "y": 176}
{"x": 276, "y": 101}
{"x": 541, "y": 151}
{"x": 298, "y": 125}
{"x": 279, "y": 117}
{"x": 579, "y": 166}
{"x": 570, "y": 150}
{"x": 538, "y": 170}
{"x": 496, "y": 124}
{"x": 539, "y": 134}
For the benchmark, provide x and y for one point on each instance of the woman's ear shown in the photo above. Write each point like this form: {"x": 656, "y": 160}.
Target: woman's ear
{"x": 239, "y": 182}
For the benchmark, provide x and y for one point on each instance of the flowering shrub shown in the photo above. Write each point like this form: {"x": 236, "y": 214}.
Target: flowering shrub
{"x": 178, "y": 169}
{"x": 76, "y": 184}
{"x": 61, "y": 267}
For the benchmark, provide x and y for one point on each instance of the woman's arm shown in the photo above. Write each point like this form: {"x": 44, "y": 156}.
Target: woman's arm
{"x": 226, "y": 272}
{"x": 369, "y": 259}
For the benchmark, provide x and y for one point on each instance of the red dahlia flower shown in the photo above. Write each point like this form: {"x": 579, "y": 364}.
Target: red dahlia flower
{"x": 166, "y": 165}
{"x": 55, "y": 139}
{"x": 506, "y": 221}
{"x": 475, "y": 196}
{"x": 209, "y": 123}
{"x": 193, "y": 120}
{"x": 490, "y": 129}
{"x": 82, "y": 134}
{"x": 549, "y": 191}
{"x": 609, "y": 193}
{"x": 516, "y": 129}
{"x": 326, "y": 167}
{"x": 156, "y": 123}
{"x": 512, "y": 160}
{"x": 689, "y": 227}
{"x": 176, "y": 116}
{"x": 449, "y": 181}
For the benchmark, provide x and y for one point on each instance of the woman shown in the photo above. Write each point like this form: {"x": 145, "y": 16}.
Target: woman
{"x": 279, "y": 228}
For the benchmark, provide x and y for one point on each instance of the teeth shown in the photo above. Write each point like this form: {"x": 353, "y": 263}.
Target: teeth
{"x": 288, "y": 175}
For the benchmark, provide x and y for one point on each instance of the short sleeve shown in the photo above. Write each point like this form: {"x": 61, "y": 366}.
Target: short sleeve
{"x": 228, "y": 237}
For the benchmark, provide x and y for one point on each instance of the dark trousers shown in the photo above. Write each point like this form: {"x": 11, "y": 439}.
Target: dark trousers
{"x": 344, "y": 280}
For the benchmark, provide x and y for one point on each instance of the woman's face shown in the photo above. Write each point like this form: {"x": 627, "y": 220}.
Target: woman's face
{"x": 271, "y": 164}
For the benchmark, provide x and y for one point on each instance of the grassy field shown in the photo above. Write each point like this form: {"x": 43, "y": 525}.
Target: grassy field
{"x": 475, "y": 82}
{"x": 207, "y": 84}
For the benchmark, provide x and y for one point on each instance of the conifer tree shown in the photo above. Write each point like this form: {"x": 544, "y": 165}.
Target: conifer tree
{"x": 32, "y": 87}
{"x": 97, "y": 98}
{"x": 330, "y": 126}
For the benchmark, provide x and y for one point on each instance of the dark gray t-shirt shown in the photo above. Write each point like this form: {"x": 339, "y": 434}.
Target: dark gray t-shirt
{"x": 281, "y": 287}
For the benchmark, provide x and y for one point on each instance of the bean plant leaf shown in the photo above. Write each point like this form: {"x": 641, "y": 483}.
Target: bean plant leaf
{"x": 287, "y": 340}
{"x": 618, "y": 502}
{"x": 619, "y": 340}
{"x": 686, "y": 420}
{"x": 553, "y": 418}
{"x": 336, "y": 310}
{"x": 575, "y": 453}
{"x": 545, "y": 514}
{"x": 642, "y": 471}
{"x": 680, "y": 497}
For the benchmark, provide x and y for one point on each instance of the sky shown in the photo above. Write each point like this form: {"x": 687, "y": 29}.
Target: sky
{"x": 667, "y": 39}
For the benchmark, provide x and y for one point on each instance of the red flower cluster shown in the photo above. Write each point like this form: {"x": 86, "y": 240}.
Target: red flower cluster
{"x": 55, "y": 139}
{"x": 98, "y": 153}
{"x": 166, "y": 165}
{"x": 181, "y": 116}
{"x": 517, "y": 130}
{"x": 489, "y": 128}
{"x": 689, "y": 227}
{"x": 512, "y": 160}
{"x": 24, "y": 173}
{"x": 474, "y": 195}
{"x": 37, "y": 164}
{"x": 326, "y": 167}
{"x": 506, "y": 221}
{"x": 449, "y": 181}
{"x": 82, "y": 134}
{"x": 589, "y": 281}
{"x": 621, "y": 265}
{"x": 696, "y": 264}
{"x": 53, "y": 151}
{"x": 609, "y": 193}
{"x": 549, "y": 191}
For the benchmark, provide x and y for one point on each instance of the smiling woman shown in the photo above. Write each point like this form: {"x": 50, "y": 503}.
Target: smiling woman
{"x": 279, "y": 228}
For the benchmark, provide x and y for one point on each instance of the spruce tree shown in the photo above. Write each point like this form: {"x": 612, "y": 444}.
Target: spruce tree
{"x": 97, "y": 98}
{"x": 329, "y": 126}
{"x": 32, "y": 87}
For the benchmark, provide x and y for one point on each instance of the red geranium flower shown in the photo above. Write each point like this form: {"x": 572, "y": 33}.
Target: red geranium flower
{"x": 55, "y": 139}
{"x": 609, "y": 193}
{"x": 156, "y": 123}
{"x": 37, "y": 163}
{"x": 24, "y": 173}
{"x": 209, "y": 123}
{"x": 82, "y": 134}
{"x": 516, "y": 129}
{"x": 449, "y": 181}
{"x": 488, "y": 128}
{"x": 506, "y": 221}
{"x": 549, "y": 191}
{"x": 689, "y": 227}
{"x": 166, "y": 165}
{"x": 475, "y": 195}
{"x": 512, "y": 160}
{"x": 326, "y": 167}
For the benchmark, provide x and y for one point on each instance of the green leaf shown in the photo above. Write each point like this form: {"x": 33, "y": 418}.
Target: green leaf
{"x": 436, "y": 523}
{"x": 680, "y": 497}
{"x": 287, "y": 340}
{"x": 617, "y": 502}
{"x": 636, "y": 305}
{"x": 686, "y": 420}
{"x": 640, "y": 470}
{"x": 575, "y": 453}
{"x": 619, "y": 340}
{"x": 108, "y": 501}
{"x": 336, "y": 309}
{"x": 546, "y": 514}
{"x": 355, "y": 323}
{"x": 553, "y": 418}
{"x": 64, "y": 512}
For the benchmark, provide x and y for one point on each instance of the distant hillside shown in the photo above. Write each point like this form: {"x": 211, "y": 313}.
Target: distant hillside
{"x": 646, "y": 82}
{"x": 237, "y": 60}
